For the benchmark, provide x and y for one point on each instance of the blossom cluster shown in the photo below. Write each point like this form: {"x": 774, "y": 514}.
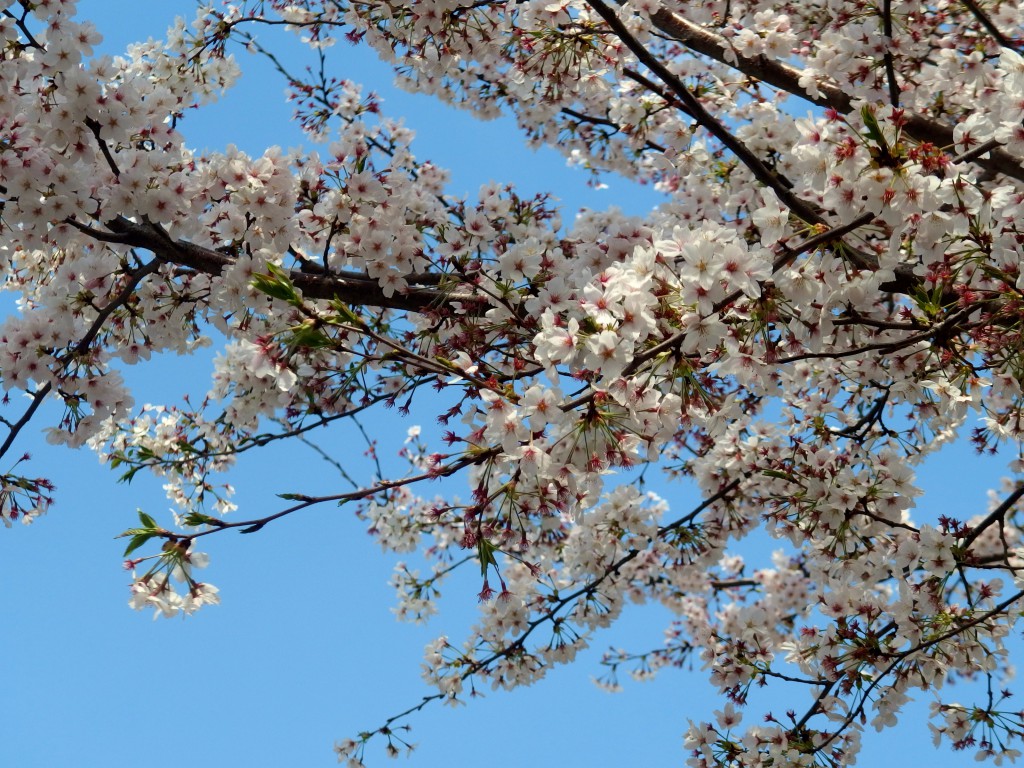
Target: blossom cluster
{"x": 830, "y": 293}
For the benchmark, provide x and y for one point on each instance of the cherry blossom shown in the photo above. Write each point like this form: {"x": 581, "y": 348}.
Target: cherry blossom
{"x": 829, "y": 294}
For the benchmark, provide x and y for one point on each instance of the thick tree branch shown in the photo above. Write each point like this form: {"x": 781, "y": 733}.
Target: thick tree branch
{"x": 904, "y": 280}
{"x": 350, "y": 288}
{"x": 787, "y": 78}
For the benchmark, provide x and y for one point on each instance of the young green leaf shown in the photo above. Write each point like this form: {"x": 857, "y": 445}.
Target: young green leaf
{"x": 276, "y": 283}
{"x": 137, "y": 541}
{"x": 485, "y": 551}
{"x": 198, "y": 518}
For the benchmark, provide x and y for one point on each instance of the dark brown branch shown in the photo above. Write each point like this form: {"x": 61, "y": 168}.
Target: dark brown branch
{"x": 137, "y": 276}
{"x": 353, "y": 289}
{"x": 900, "y": 656}
{"x": 304, "y": 502}
{"x": 890, "y": 67}
{"x": 710, "y": 123}
{"x": 37, "y": 399}
{"x": 995, "y": 515}
{"x": 95, "y": 127}
{"x": 786, "y": 257}
{"x": 830, "y": 96}
{"x": 591, "y": 120}
{"x": 552, "y": 610}
{"x": 973, "y": 154}
{"x": 989, "y": 26}
{"x": 904, "y": 280}
{"x": 31, "y": 42}
{"x": 646, "y": 82}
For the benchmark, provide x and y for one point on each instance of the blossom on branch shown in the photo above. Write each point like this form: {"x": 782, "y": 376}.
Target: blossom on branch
{"x": 830, "y": 293}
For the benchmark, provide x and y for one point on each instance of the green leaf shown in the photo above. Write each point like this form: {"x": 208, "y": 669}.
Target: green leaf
{"x": 137, "y": 541}
{"x": 147, "y": 521}
{"x": 128, "y": 476}
{"x": 485, "y": 551}
{"x": 198, "y": 518}
{"x": 346, "y": 312}
{"x": 308, "y": 337}
{"x": 294, "y": 496}
{"x": 271, "y": 287}
{"x": 874, "y": 131}
{"x": 276, "y": 283}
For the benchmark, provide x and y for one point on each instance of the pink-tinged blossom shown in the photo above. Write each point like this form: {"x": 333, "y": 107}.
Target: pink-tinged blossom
{"x": 557, "y": 344}
{"x": 819, "y": 305}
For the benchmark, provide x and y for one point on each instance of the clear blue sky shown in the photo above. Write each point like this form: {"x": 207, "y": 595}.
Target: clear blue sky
{"x": 304, "y": 649}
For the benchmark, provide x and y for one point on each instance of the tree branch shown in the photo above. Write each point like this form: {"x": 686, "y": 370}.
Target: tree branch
{"x": 358, "y": 290}
{"x": 786, "y": 78}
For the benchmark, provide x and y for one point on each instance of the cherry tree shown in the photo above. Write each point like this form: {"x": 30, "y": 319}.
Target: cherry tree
{"x": 829, "y": 294}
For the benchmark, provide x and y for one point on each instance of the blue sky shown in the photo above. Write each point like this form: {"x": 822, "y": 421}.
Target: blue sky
{"x": 304, "y": 649}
